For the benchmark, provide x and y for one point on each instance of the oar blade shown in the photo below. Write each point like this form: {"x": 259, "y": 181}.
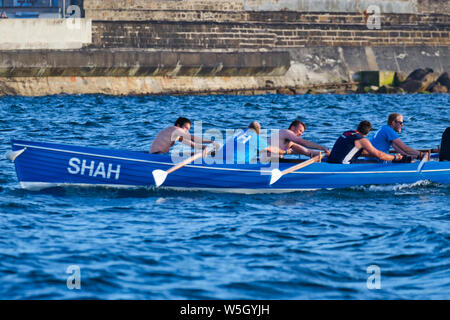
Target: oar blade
{"x": 159, "y": 176}
{"x": 12, "y": 155}
{"x": 276, "y": 175}
{"x": 421, "y": 164}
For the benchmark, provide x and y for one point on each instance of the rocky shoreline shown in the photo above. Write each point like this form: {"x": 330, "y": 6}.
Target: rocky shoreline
{"x": 418, "y": 81}
{"x": 364, "y": 82}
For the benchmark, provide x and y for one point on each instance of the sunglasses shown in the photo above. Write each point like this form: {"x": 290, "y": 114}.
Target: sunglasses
{"x": 400, "y": 122}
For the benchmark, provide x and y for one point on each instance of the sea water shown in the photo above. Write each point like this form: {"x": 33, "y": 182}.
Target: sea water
{"x": 368, "y": 242}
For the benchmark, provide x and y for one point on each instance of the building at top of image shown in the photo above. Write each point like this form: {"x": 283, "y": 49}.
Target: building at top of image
{"x": 44, "y": 9}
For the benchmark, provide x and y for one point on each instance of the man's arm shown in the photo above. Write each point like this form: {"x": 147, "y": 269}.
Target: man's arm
{"x": 276, "y": 150}
{"x": 306, "y": 143}
{"x": 299, "y": 149}
{"x": 402, "y": 148}
{"x": 188, "y": 139}
{"x": 199, "y": 140}
{"x": 372, "y": 151}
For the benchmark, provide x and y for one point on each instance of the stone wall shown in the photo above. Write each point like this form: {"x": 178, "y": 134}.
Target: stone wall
{"x": 186, "y": 9}
{"x": 265, "y": 24}
{"x": 265, "y": 16}
{"x": 433, "y": 6}
{"x": 269, "y": 36}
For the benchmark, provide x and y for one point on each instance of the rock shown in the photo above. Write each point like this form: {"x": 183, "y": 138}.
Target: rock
{"x": 389, "y": 89}
{"x": 311, "y": 91}
{"x": 411, "y": 86}
{"x": 269, "y": 84}
{"x": 399, "y": 78}
{"x": 301, "y": 91}
{"x": 444, "y": 80}
{"x": 383, "y": 89}
{"x": 431, "y": 86}
{"x": 438, "y": 88}
{"x": 286, "y": 91}
{"x": 422, "y": 85}
{"x": 428, "y": 80}
{"x": 419, "y": 74}
{"x": 363, "y": 89}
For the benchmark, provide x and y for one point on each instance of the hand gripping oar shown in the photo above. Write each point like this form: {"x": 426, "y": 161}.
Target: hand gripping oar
{"x": 161, "y": 175}
{"x": 425, "y": 158}
{"x": 277, "y": 174}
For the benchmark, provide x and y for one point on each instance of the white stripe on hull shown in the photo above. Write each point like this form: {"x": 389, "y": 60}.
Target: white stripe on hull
{"x": 36, "y": 186}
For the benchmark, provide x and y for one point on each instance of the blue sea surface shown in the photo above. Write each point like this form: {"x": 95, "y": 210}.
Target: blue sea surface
{"x": 368, "y": 242}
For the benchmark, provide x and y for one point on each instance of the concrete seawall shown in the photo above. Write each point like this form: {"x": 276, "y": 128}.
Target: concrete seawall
{"x": 211, "y": 46}
{"x": 36, "y": 34}
{"x": 140, "y": 62}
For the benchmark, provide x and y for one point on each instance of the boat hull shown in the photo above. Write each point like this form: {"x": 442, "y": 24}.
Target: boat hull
{"x": 43, "y": 165}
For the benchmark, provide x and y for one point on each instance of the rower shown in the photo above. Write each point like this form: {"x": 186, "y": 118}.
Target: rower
{"x": 167, "y": 137}
{"x": 247, "y": 146}
{"x": 352, "y": 144}
{"x": 444, "y": 153}
{"x": 387, "y": 136}
{"x": 291, "y": 140}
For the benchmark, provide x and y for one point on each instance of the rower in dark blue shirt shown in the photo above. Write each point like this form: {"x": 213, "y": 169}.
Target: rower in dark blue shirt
{"x": 352, "y": 144}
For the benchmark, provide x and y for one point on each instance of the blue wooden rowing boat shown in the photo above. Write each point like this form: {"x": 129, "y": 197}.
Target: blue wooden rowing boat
{"x": 41, "y": 165}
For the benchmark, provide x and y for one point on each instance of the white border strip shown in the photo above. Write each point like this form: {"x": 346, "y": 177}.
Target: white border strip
{"x": 36, "y": 186}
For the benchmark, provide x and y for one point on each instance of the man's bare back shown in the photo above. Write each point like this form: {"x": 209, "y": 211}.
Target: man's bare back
{"x": 167, "y": 137}
{"x": 291, "y": 141}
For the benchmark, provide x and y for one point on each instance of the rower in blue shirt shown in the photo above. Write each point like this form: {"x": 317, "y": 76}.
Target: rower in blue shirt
{"x": 246, "y": 146}
{"x": 387, "y": 136}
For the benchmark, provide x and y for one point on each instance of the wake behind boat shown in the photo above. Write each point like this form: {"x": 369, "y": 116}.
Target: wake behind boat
{"x": 42, "y": 165}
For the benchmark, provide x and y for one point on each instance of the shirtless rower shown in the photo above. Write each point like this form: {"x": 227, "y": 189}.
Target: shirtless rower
{"x": 291, "y": 141}
{"x": 167, "y": 137}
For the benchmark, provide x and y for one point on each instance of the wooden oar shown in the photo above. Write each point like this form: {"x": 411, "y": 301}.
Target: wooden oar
{"x": 437, "y": 150}
{"x": 422, "y": 162}
{"x": 160, "y": 175}
{"x": 277, "y": 174}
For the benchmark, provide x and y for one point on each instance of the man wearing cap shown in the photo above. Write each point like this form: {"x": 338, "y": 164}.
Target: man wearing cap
{"x": 352, "y": 144}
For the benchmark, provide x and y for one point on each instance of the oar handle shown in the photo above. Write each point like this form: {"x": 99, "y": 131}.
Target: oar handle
{"x": 436, "y": 150}
{"x": 185, "y": 162}
{"x": 317, "y": 158}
